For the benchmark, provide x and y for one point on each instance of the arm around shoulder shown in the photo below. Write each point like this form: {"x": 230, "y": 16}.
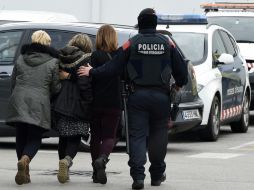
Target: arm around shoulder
{"x": 55, "y": 83}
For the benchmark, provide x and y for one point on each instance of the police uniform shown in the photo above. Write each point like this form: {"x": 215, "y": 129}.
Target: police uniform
{"x": 150, "y": 59}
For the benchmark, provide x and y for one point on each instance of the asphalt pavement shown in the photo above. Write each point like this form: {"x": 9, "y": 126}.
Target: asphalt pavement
{"x": 191, "y": 165}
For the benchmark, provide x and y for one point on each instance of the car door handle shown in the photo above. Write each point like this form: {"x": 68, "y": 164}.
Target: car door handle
{"x": 236, "y": 69}
{"x": 5, "y": 75}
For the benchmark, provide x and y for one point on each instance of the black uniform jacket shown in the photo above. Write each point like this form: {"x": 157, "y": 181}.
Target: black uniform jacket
{"x": 179, "y": 65}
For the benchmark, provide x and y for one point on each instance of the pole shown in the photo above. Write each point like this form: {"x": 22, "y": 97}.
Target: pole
{"x": 124, "y": 98}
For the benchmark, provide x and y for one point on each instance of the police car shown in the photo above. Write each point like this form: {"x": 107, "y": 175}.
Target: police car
{"x": 221, "y": 71}
{"x": 238, "y": 18}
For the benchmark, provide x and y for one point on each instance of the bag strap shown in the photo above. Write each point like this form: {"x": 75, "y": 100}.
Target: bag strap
{"x": 110, "y": 57}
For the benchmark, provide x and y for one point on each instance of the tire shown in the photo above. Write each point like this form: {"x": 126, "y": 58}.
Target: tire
{"x": 242, "y": 125}
{"x": 85, "y": 143}
{"x": 212, "y": 129}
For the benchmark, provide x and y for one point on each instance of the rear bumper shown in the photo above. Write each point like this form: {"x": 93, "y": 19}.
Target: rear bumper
{"x": 181, "y": 124}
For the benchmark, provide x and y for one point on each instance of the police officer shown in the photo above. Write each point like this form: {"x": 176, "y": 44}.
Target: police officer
{"x": 150, "y": 59}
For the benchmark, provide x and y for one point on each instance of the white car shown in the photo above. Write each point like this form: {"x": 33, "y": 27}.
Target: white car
{"x": 7, "y": 16}
{"x": 238, "y": 18}
{"x": 221, "y": 72}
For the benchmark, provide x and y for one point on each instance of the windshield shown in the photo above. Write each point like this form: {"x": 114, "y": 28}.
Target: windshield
{"x": 242, "y": 28}
{"x": 193, "y": 45}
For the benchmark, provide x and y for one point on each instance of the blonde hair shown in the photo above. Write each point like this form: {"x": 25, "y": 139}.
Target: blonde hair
{"x": 106, "y": 38}
{"x": 41, "y": 37}
{"x": 83, "y": 42}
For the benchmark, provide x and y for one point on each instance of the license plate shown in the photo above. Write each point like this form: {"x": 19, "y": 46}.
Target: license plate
{"x": 190, "y": 114}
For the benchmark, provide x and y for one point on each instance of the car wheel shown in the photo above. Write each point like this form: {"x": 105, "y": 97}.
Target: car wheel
{"x": 212, "y": 130}
{"x": 242, "y": 125}
{"x": 85, "y": 142}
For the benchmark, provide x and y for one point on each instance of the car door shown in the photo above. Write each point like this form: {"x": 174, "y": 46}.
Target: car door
{"x": 238, "y": 68}
{"x": 228, "y": 76}
{"x": 10, "y": 42}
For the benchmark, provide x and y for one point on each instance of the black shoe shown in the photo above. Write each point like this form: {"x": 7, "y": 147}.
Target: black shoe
{"x": 94, "y": 176}
{"x": 159, "y": 181}
{"x": 95, "y": 180}
{"x": 100, "y": 166}
{"x": 138, "y": 184}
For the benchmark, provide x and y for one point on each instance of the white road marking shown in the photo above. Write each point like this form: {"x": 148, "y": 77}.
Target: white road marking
{"x": 215, "y": 155}
{"x": 119, "y": 154}
{"x": 242, "y": 145}
{"x": 47, "y": 152}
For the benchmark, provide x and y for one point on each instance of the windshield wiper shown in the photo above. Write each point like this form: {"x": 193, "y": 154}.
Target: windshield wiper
{"x": 244, "y": 41}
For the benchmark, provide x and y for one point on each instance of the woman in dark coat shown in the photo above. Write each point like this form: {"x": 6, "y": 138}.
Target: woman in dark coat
{"x": 106, "y": 104}
{"x": 34, "y": 81}
{"x": 72, "y": 105}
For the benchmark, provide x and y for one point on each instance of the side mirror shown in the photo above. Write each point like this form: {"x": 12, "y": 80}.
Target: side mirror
{"x": 226, "y": 58}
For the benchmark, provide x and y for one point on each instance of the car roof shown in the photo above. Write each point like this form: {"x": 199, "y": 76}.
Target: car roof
{"x": 76, "y": 26}
{"x": 187, "y": 28}
{"x": 39, "y": 16}
{"x": 230, "y": 13}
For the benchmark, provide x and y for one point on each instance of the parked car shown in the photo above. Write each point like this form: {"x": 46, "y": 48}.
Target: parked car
{"x": 221, "y": 71}
{"x": 190, "y": 107}
{"x": 238, "y": 18}
{"x": 7, "y": 16}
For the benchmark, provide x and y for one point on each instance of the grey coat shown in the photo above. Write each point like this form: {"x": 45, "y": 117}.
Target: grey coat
{"x": 35, "y": 80}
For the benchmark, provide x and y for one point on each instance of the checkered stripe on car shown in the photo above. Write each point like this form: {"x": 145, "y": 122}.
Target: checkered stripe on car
{"x": 231, "y": 112}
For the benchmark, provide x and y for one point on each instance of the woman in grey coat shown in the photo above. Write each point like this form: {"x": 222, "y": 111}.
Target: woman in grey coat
{"x": 35, "y": 80}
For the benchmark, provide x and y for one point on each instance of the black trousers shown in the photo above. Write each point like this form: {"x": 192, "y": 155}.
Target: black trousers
{"x": 28, "y": 139}
{"x": 68, "y": 146}
{"x": 148, "y": 113}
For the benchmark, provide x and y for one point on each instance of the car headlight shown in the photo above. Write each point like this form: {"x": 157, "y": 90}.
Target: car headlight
{"x": 200, "y": 87}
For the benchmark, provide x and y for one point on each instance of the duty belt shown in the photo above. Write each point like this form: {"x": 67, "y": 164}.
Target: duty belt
{"x": 162, "y": 89}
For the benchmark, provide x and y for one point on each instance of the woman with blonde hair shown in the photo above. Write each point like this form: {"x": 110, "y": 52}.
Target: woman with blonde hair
{"x": 34, "y": 81}
{"x": 72, "y": 105}
{"x": 106, "y": 104}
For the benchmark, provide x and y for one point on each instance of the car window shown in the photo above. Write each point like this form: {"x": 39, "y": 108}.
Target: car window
{"x": 228, "y": 43}
{"x": 217, "y": 46}
{"x": 234, "y": 43}
{"x": 239, "y": 26}
{"x": 9, "y": 42}
{"x": 193, "y": 45}
{"x": 60, "y": 39}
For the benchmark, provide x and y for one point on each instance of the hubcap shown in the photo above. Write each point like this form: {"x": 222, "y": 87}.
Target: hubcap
{"x": 246, "y": 113}
{"x": 216, "y": 119}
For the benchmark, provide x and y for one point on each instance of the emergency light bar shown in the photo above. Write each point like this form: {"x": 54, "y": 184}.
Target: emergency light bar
{"x": 182, "y": 19}
{"x": 226, "y": 5}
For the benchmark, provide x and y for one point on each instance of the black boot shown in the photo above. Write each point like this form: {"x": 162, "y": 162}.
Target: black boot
{"x": 100, "y": 166}
{"x": 138, "y": 184}
{"x": 94, "y": 176}
{"x": 159, "y": 181}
